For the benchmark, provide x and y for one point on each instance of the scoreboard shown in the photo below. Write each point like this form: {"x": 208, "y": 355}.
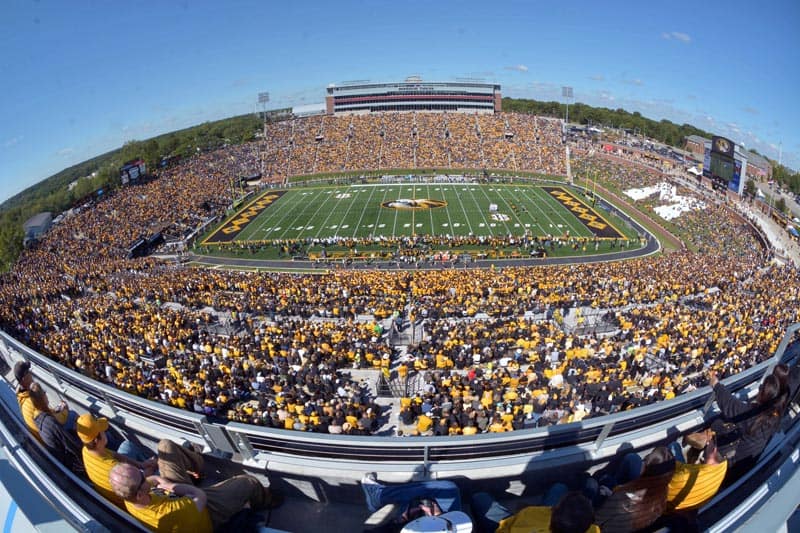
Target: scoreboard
{"x": 132, "y": 171}
{"x": 722, "y": 167}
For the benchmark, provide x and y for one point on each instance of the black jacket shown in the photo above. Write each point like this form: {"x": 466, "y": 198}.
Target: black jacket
{"x": 794, "y": 382}
{"x": 64, "y": 445}
{"x": 746, "y": 434}
{"x": 634, "y": 505}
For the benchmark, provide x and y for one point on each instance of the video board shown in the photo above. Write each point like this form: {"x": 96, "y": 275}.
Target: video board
{"x": 132, "y": 171}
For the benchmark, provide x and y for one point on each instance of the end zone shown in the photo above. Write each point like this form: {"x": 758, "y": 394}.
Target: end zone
{"x": 233, "y": 226}
{"x": 590, "y": 218}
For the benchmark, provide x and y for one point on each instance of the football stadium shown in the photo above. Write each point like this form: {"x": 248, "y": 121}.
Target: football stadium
{"x": 413, "y": 302}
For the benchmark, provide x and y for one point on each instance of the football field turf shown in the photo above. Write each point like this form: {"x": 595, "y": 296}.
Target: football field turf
{"x": 436, "y": 209}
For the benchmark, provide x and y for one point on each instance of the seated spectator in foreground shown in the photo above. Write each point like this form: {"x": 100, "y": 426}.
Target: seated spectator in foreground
{"x": 63, "y": 444}
{"x": 24, "y": 377}
{"x": 454, "y": 521}
{"x": 179, "y": 463}
{"x": 745, "y": 428}
{"x": 186, "y": 507}
{"x": 635, "y": 503}
{"x": 98, "y": 459}
{"x": 560, "y": 512}
{"x": 419, "y": 501}
{"x": 692, "y": 485}
{"x": 789, "y": 380}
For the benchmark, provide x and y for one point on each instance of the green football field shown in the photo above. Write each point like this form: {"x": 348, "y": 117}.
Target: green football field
{"x": 374, "y": 210}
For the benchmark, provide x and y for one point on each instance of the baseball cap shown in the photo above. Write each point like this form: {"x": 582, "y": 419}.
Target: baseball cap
{"x": 21, "y": 369}
{"x": 452, "y": 522}
{"x": 88, "y": 427}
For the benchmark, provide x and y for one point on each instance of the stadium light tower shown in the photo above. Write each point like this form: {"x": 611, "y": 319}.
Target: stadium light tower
{"x": 566, "y": 93}
{"x": 263, "y": 98}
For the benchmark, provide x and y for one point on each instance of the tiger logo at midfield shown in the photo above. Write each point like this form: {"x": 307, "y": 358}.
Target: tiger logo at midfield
{"x": 420, "y": 203}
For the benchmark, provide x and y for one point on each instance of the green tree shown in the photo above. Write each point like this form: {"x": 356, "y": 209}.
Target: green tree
{"x": 794, "y": 183}
{"x": 750, "y": 189}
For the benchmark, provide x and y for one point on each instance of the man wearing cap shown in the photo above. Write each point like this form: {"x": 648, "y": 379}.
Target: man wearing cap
{"x": 99, "y": 459}
{"x": 180, "y": 464}
{"x": 24, "y": 377}
{"x": 187, "y": 508}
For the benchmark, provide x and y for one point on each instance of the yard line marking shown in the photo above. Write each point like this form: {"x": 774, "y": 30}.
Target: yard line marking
{"x": 330, "y": 212}
{"x": 364, "y": 207}
{"x": 284, "y": 214}
{"x": 300, "y": 215}
{"x": 500, "y": 195}
{"x": 396, "y": 213}
{"x": 481, "y": 211}
{"x": 536, "y": 207}
{"x": 457, "y": 192}
{"x": 545, "y": 204}
{"x": 380, "y": 212}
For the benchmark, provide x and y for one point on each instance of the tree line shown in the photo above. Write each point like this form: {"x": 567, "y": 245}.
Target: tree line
{"x": 65, "y": 189}
{"x": 663, "y": 131}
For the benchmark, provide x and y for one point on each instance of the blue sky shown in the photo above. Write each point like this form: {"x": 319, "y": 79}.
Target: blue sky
{"x": 81, "y": 78}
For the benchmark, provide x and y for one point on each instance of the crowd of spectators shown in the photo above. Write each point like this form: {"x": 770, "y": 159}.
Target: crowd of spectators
{"x": 328, "y": 143}
{"x": 588, "y": 166}
{"x": 664, "y": 490}
{"x": 727, "y": 236}
{"x": 277, "y": 349}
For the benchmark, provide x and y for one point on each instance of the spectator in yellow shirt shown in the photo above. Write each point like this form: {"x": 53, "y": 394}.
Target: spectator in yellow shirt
{"x": 24, "y": 377}
{"x": 692, "y": 485}
{"x": 186, "y": 507}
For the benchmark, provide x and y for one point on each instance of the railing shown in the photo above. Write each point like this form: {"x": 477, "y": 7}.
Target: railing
{"x": 593, "y": 439}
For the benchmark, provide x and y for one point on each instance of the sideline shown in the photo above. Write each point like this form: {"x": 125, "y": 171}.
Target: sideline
{"x": 652, "y": 247}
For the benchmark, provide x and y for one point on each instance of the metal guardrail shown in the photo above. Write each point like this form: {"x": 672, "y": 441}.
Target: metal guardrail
{"x": 651, "y": 424}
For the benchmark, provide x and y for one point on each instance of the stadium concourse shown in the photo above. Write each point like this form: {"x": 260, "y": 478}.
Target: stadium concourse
{"x": 496, "y": 350}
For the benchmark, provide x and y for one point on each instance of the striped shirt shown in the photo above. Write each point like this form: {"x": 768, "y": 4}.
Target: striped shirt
{"x": 28, "y": 412}
{"x": 171, "y": 514}
{"x": 98, "y": 468}
{"x": 692, "y": 485}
